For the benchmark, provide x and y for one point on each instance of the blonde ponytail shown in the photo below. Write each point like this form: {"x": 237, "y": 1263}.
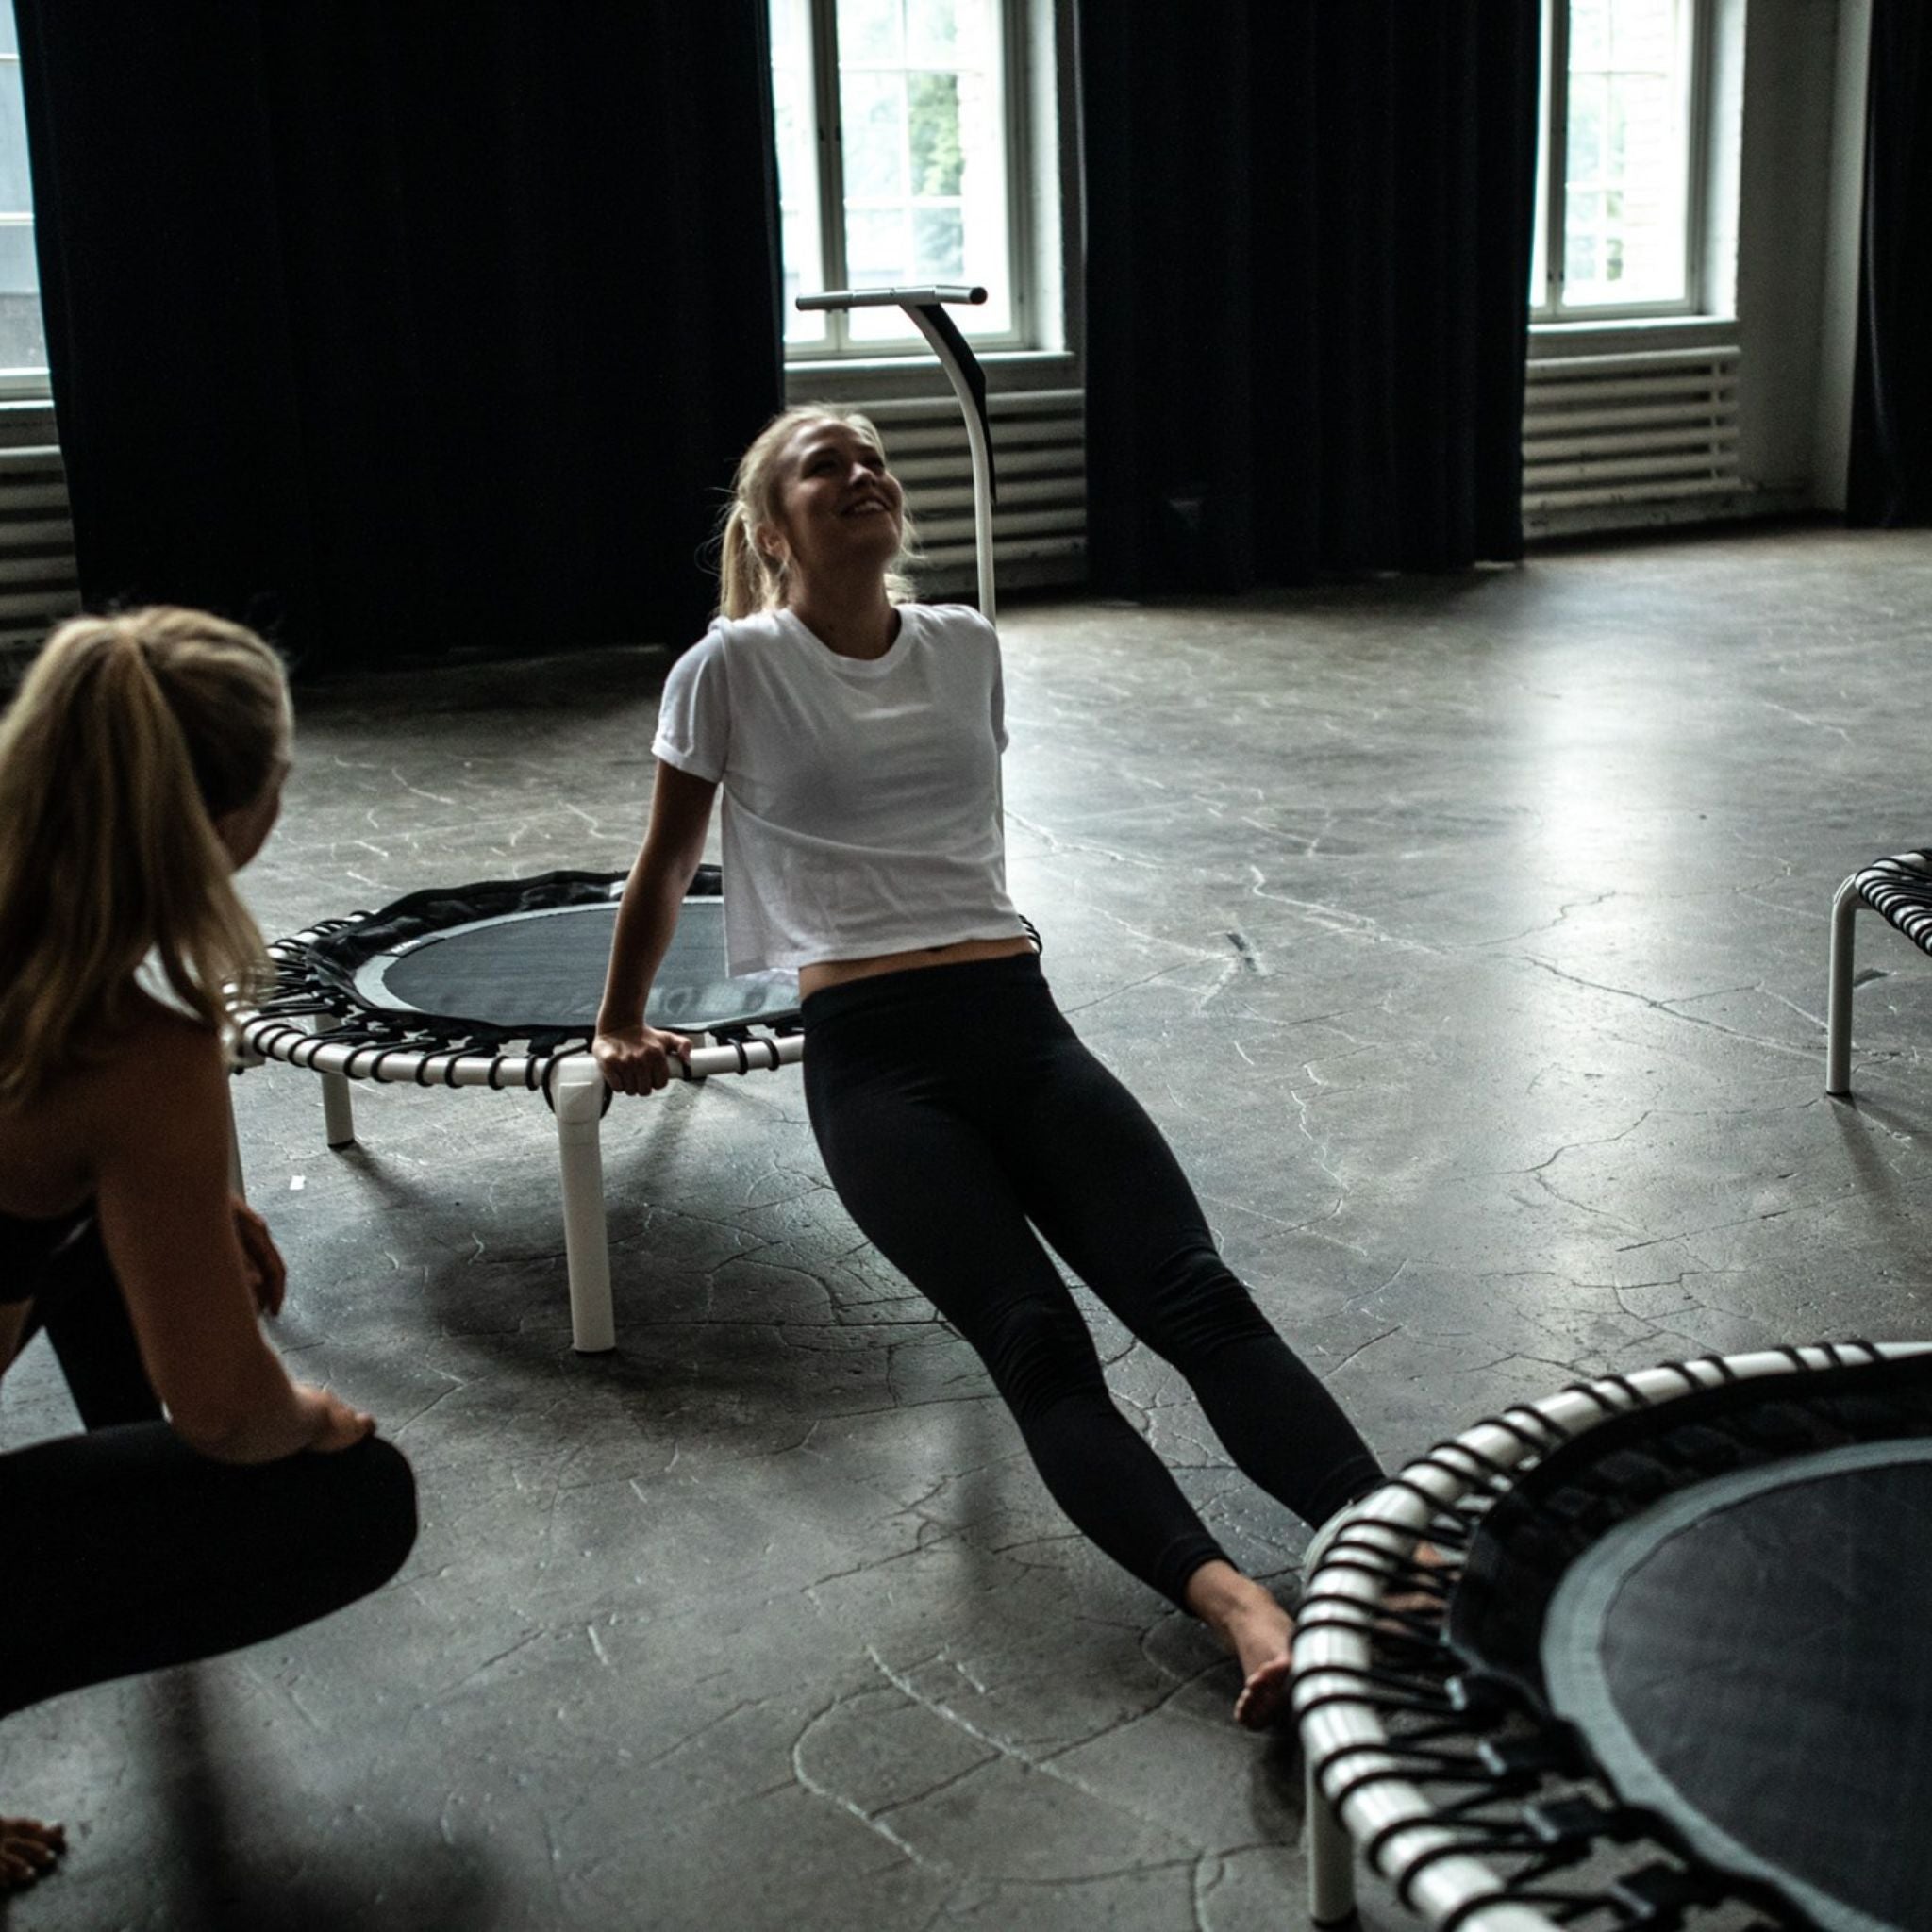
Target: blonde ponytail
{"x": 129, "y": 738}
{"x": 749, "y": 580}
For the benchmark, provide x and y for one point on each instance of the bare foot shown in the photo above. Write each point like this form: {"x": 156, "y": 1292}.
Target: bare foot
{"x": 1257, "y": 1629}
{"x": 28, "y": 1849}
{"x": 1261, "y": 1645}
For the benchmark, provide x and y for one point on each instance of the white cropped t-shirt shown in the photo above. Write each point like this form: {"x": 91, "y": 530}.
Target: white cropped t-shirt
{"x": 862, "y": 796}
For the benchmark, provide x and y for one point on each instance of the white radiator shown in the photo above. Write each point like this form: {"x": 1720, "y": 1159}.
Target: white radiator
{"x": 1621, "y": 440}
{"x": 38, "y": 585}
{"x": 1040, "y": 463}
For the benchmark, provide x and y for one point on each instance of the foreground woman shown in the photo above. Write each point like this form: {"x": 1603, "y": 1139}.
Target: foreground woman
{"x": 857, "y": 742}
{"x": 140, "y": 764}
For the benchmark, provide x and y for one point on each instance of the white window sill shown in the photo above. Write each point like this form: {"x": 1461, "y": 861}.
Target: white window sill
{"x": 1631, "y": 334}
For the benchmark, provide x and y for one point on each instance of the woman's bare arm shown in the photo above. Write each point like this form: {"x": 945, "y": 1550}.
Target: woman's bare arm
{"x": 632, "y": 1056}
{"x": 159, "y": 1134}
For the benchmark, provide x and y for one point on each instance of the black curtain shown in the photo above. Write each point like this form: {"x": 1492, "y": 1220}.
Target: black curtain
{"x": 1890, "y": 482}
{"x": 400, "y": 328}
{"x": 1309, "y": 243}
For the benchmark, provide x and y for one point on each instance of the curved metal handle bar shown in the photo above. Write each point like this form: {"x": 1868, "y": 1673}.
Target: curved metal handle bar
{"x": 278, "y": 1039}
{"x": 969, "y": 294}
{"x": 1330, "y": 1653}
{"x": 927, "y": 307}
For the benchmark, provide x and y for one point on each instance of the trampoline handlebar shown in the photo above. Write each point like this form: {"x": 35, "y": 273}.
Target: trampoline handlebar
{"x": 971, "y": 294}
{"x": 926, "y": 308}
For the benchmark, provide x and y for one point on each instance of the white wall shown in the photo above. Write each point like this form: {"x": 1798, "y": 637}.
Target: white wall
{"x": 1790, "y": 235}
{"x": 1838, "y": 323}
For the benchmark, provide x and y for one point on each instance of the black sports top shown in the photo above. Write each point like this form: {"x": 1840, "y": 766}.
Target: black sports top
{"x": 28, "y": 1242}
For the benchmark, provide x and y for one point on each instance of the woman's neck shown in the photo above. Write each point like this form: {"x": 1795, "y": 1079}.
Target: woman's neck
{"x": 850, "y": 619}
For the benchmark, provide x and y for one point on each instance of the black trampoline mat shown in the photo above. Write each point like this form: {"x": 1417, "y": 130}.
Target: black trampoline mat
{"x": 1752, "y": 1658}
{"x": 535, "y": 972}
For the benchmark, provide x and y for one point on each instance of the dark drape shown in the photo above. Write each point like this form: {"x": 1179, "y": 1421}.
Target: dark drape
{"x": 1890, "y": 482}
{"x": 400, "y": 328}
{"x": 1308, "y": 242}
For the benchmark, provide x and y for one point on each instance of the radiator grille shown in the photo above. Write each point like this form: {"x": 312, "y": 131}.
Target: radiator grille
{"x": 1040, "y": 459}
{"x": 37, "y": 584}
{"x": 1615, "y": 442}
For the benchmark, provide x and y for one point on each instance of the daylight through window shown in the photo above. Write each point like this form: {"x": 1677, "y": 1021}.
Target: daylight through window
{"x": 1619, "y": 159}
{"x": 23, "y": 341}
{"x": 895, "y": 159}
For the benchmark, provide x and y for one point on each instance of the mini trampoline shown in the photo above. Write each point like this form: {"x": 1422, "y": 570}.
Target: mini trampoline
{"x": 498, "y": 985}
{"x": 1673, "y": 1670}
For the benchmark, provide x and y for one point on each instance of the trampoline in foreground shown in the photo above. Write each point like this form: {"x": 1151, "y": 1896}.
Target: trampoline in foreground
{"x": 1675, "y": 1668}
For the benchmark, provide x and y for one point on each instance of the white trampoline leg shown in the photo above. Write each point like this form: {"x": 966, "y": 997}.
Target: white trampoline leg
{"x": 577, "y": 1093}
{"x": 235, "y": 1176}
{"x": 338, "y": 1109}
{"x": 1838, "y": 1012}
{"x": 1331, "y": 1859}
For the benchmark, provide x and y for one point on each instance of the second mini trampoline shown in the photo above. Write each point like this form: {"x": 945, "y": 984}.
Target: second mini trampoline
{"x": 1669, "y": 1667}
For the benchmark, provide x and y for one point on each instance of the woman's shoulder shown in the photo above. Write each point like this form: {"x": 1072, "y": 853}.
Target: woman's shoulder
{"x": 156, "y": 1070}
{"x": 955, "y": 629}
{"x": 153, "y": 1041}
{"x": 734, "y": 637}
{"x": 730, "y": 644}
{"x": 147, "y": 1039}
{"x": 952, "y": 620}
{"x": 160, "y": 1073}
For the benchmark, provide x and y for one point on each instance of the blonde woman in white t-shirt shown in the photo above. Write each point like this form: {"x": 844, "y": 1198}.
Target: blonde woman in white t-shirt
{"x": 857, "y": 739}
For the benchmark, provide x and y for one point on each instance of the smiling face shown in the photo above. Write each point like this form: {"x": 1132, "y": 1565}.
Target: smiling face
{"x": 837, "y": 508}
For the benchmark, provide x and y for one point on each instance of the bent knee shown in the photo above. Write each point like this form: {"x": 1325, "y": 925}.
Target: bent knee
{"x": 1201, "y": 1306}
{"x": 1039, "y": 1353}
{"x": 376, "y": 1518}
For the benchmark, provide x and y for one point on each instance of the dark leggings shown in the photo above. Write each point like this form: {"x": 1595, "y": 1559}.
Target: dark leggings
{"x": 132, "y": 1551}
{"x": 954, "y": 1106}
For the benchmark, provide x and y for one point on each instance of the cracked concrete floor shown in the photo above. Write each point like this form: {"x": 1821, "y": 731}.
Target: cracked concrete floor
{"x": 1468, "y": 937}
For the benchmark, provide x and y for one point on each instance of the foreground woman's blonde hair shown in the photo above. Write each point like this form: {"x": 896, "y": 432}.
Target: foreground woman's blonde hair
{"x": 129, "y": 737}
{"x": 748, "y": 580}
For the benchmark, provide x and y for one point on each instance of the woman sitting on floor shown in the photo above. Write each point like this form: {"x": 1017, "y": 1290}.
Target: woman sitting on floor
{"x": 140, "y": 764}
{"x": 858, "y": 742}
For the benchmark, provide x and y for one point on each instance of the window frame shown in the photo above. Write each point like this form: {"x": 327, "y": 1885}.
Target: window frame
{"x": 1547, "y": 307}
{"x": 837, "y": 347}
{"x": 23, "y": 382}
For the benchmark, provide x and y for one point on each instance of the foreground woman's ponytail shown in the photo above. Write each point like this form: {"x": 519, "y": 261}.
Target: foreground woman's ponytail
{"x": 751, "y": 579}
{"x": 129, "y": 738}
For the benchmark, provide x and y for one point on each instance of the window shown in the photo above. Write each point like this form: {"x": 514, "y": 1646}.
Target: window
{"x": 900, "y": 154}
{"x": 1622, "y": 162}
{"x": 23, "y": 342}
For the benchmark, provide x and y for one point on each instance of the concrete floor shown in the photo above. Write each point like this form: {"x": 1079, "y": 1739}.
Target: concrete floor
{"x": 1468, "y": 938}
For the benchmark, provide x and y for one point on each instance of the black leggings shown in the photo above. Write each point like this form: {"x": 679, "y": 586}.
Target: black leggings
{"x": 954, "y": 1106}
{"x": 78, "y": 1302}
{"x": 131, "y": 1551}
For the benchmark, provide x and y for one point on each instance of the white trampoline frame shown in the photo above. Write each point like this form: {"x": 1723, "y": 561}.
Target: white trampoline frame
{"x": 1330, "y": 1655}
